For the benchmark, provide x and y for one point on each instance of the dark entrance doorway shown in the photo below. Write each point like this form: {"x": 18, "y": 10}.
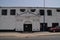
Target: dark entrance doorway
{"x": 27, "y": 27}
{"x": 43, "y": 27}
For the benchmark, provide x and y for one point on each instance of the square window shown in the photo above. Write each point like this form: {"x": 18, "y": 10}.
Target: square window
{"x": 49, "y": 12}
{"x": 42, "y": 12}
{"x": 4, "y": 11}
{"x": 12, "y": 12}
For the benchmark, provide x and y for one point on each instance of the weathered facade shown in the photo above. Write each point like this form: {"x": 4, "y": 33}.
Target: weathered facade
{"x": 29, "y": 18}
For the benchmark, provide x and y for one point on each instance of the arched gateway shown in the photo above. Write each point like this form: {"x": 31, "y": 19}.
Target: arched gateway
{"x": 27, "y": 26}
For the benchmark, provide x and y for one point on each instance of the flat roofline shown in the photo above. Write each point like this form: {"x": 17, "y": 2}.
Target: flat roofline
{"x": 29, "y": 7}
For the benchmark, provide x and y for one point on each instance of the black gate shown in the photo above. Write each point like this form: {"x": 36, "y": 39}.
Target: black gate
{"x": 27, "y": 27}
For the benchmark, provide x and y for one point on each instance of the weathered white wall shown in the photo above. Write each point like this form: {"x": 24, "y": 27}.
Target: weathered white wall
{"x": 7, "y": 21}
{"x": 17, "y": 21}
{"x": 52, "y": 19}
{"x": 20, "y": 21}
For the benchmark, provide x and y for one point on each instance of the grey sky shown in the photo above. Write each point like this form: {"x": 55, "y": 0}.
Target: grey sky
{"x": 32, "y": 3}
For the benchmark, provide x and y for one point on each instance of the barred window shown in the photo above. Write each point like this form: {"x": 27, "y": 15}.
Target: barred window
{"x": 4, "y": 11}
{"x": 49, "y": 12}
{"x": 12, "y": 12}
{"x": 41, "y": 12}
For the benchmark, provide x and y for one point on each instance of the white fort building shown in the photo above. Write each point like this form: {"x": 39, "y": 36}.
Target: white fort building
{"x": 29, "y": 18}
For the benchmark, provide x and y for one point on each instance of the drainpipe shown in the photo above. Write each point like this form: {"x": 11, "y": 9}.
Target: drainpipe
{"x": 44, "y": 14}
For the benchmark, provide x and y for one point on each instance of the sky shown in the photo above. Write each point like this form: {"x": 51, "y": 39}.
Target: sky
{"x": 30, "y": 3}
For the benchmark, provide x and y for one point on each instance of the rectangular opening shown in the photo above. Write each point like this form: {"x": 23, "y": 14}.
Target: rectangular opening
{"x": 4, "y": 11}
{"x": 42, "y": 12}
{"x": 43, "y": 27}
{"x": 49, "y": 12}
{"x": 55, "y": 24}
{"x": 12, "y": 12}
{"x": 58, "y": 10}
{"x": 27, "y": 27}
